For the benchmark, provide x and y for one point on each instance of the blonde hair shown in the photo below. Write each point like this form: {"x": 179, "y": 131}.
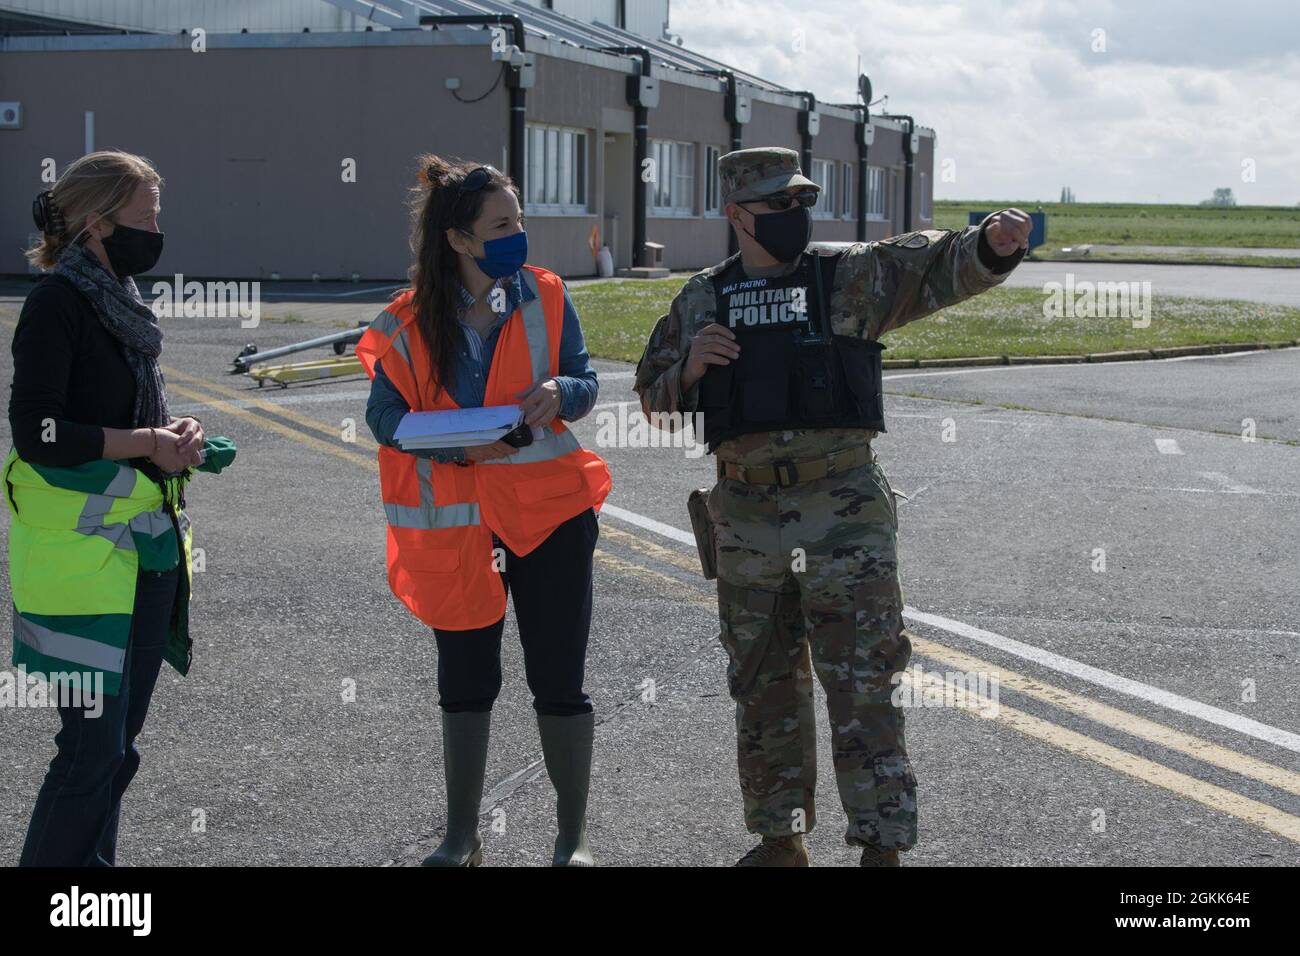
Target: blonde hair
{"x": 98, "y": 183}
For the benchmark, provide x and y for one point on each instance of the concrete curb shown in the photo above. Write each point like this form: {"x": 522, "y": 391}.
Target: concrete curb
{"x": 1128, "y": 355}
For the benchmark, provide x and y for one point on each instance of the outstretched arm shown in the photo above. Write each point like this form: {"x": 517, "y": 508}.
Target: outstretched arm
{"x": 907, "y": 277}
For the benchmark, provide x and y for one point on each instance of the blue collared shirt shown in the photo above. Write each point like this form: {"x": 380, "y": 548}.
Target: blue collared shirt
{"x": 473, "y": 360}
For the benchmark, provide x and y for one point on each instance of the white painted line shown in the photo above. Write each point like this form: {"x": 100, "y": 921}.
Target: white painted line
{"x": 596, "y": 408}
{"x": 294, "y": 296}
{"x": 649, "y": 524}
{"x": 889, "y": 375}
{"x": 1229, "y": 484}
{"x": 1203, "y": 491}
{"x": 1048, "y": 659}
{"x": 1199, "y": 628}
{"x": 1103, "y": 678}
{"x": 1022, "y": 368}
{"x": 1168, "y": 446}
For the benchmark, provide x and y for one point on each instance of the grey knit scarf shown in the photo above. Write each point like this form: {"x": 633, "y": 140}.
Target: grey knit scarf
{"x": 124, "y": 314}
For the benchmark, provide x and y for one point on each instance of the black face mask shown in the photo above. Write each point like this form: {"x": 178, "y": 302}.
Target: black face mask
{"x": 132, "y": 251}
{"x": 784, "y": 234}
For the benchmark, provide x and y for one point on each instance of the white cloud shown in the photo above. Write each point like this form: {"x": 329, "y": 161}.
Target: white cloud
{"x": 1184, "y": 92}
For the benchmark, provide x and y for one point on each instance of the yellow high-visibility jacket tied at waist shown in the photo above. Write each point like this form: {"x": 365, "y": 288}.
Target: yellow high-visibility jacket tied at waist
{"x": 78, "y": 539}
{"x": 441, "y": 517}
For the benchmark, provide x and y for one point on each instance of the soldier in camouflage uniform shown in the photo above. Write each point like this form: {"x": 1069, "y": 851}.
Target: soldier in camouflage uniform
{"x": 804, "y": 518}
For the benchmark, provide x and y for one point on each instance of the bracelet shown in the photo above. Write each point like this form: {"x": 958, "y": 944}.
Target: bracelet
{"x": 154, "y": 432}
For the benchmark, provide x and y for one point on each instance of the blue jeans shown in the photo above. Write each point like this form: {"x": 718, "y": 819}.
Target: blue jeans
{"x": 75, "y": 819}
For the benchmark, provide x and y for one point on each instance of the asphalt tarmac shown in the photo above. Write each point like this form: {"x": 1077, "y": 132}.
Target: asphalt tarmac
{"x": 1145, "y": 713}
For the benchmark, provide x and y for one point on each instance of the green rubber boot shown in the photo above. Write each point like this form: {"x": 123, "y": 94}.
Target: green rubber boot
{"x": 464, "y": 755}
{"x": 566, "y": 745}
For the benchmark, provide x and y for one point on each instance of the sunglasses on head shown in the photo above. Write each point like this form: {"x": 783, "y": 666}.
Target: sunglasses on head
{"x": 781, "y": 201}
{"x": 476, "y": 179}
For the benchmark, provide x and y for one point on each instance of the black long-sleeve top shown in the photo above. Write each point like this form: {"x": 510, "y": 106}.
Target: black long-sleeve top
{"x": 68, "y": 369}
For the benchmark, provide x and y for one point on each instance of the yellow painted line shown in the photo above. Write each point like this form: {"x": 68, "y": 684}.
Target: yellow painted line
{"x": 1214, "y": 797}
{"x": 1122, "y": 720}
{"x": 650, "y": 548}
{"x": 1207, "y": 794}
{"x": 1218, "y": 798}
{"x": 261, "y": 421}
{"x": 245, "y": 395}
{"x": 1157, "y": 733}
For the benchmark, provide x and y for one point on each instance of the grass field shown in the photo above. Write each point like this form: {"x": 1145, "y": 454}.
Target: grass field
{"x": 1134, "y": 224}
{"x": 617, "y": 318}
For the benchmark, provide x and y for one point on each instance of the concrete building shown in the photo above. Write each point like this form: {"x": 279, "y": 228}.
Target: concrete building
{"x": 287, "y": 132}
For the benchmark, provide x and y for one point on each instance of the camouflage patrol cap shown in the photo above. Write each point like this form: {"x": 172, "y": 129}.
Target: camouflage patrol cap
{"x": 760, "y": 171}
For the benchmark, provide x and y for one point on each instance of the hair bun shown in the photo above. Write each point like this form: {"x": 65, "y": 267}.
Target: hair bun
{"x": 438, "y": 171}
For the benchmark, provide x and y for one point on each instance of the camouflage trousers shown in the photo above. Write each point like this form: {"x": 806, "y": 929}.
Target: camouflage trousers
{"x": 808, "y": 581}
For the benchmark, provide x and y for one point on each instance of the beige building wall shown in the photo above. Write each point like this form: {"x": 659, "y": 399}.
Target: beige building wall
{"x": 252, "y": 137}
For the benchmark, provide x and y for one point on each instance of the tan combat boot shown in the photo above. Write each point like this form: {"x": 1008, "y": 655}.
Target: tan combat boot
{"x": 875, "y": 856}
{"x": 777, "y": 851}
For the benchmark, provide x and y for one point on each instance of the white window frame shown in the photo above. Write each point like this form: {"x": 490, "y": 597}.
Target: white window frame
{"x": 712, "y": 205}
{"x": 674, "y": 179}
{"x": 878, "y": 183}
{"x": 824, "y": 173}
{"x": 847, "y": 191}
{"x": 556, "y": 177}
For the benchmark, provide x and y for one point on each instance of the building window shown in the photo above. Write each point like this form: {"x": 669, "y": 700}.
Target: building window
{"x": 712, "y": 188}
{"x": 846, "y": 193}
{"x": 877, "y": 193}
{"x": 672, "y": 191}
{"x": 823, "y": 174}
{"x": 927, "y": 210}
{"x": 555, "y": 163}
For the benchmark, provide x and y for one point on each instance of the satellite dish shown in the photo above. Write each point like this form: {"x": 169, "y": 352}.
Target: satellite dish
{"x": 864, "y": 89}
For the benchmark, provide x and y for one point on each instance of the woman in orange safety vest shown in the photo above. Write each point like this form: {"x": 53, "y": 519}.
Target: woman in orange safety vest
{"x": 480, "y": 328}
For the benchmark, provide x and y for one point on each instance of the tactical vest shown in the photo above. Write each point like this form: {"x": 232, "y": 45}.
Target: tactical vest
{"x": 793, "y": 371}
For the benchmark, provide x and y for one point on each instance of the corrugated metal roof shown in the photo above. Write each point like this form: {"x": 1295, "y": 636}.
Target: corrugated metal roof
{"x": 557, "y": 27}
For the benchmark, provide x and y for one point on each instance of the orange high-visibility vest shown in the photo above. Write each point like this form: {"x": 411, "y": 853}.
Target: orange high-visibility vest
{"x": 441, "y": 516}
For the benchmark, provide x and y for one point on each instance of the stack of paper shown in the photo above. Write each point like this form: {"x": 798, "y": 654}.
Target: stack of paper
{"x": 456, "y": 427}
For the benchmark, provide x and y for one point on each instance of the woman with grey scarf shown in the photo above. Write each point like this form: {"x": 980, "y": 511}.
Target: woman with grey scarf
{"x": 88, "y": 396}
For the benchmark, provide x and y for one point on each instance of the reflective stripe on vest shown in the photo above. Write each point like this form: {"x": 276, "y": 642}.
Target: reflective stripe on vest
{"x": 152, "y": 524}
{"x": 534, "y": 316}
{"x": 68, "y": 647}
{"x": 73, "y": 595}
{"x": 427, "y": 514}
{"x": 553, "y": 444}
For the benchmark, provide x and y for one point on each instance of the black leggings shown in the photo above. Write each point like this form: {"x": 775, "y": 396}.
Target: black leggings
{"x": 551, "y": 590}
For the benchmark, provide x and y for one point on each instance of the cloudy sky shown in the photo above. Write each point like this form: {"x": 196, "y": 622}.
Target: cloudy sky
{"x": 1138, "y": 101}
